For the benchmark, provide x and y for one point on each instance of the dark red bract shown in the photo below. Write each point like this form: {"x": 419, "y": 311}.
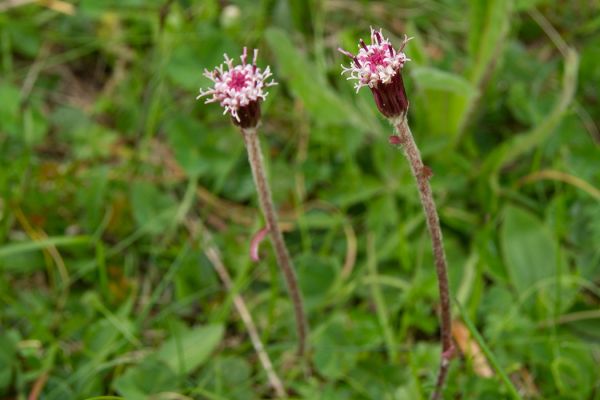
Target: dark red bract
{"x": 390, "y": 98}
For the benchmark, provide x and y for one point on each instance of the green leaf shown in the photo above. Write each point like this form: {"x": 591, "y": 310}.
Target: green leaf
{"x": 230, "y": 377}
{"x": 573, "y": 373}
{"x": 16, "y": 248}
{"x": 9, "y": 112}
{"x": 186, "y": 139}
{"x": 437, "y": 79}
{"x": 342, "y": 340}
{"x": 200, "y": 151}
{"x": 88, "y": 138}
{"x": 444, "y": 97}
{"x": 35, "y": 125}
{"x": 182, "y": 68}
{"x": 148, "y": 378}
{"x": 190, "y": 57}
{"x": 92, "y": 198}
{"x": 316, "y": 276}
{"x": 511, "y": 149}
{"x": 530, "y": 252}
{"x": 8, "y": 358}
{"x": 151, "y": 208}
{"x": 332, "y": 358}
{"x": 187, "y": 351}
{"x": 489, "y": 23}
{"x": 349, "y": 187}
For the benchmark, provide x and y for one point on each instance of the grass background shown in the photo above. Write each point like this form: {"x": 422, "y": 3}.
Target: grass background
{"x": 106, "y": 160}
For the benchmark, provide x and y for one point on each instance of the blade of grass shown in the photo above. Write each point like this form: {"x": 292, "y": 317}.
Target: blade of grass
{"x": 115, "y": 321}
{"x": 512, "y": 149}
{"x": 386, "y": 280}
{"x": 102, "y": 271}
{"x": 173, "y": 269}
{"x": 490, "y": 24}
{"x": 117, "y": 248}
{"x": 16, "y": 248}
{"x": 213, "y": 254}
{"x": 562, "y": 177}
{"x": 512, "y": 390}
{"x": 105, "y": 398}
{"x": 380, "y": 306}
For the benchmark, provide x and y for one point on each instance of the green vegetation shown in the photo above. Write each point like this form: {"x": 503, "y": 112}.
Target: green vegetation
{"x": 110, "y": 169}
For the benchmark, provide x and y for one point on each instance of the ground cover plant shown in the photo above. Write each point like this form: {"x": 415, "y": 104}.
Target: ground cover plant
{"x": 129, "y": 217}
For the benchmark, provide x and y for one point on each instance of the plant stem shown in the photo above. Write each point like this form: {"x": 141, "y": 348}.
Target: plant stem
{"x": 284, "y": 261}
{"x": 422, "y": 174}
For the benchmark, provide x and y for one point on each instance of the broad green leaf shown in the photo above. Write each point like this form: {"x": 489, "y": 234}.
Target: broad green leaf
{"x": 332, "y": 358}
{"x": 340, "y": 340}
{"x": 573, "y": 372}
{"x": 349, "y": 186}
{"x": 436, "y": 79}
{"x": 143, "y": 380}
{"x": 533, "y": 259}
{"x": 196, "y": 274}
{"x": 316, "y": 276}
{"x": 186, "y": 137}
{"x": 100, "y": 339}
{"x": 187, "y": 351}
{"x": 183, "y": 67}
{"x": 229, "y": 376}
{"x": 152, "y": 209}
{"x": 203, "y": 152}
{"x": 190, "y": 57}
{"x": 444, "y": 98}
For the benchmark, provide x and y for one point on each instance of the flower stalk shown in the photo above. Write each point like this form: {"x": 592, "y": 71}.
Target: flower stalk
{"x": 284, "y": 260}
{"x": 378, "y": 66}
{"x": 422, "y": 173}
{"x": 240, "y": 89}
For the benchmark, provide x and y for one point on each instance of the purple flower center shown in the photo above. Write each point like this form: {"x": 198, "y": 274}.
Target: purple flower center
{"x": 238, "y": 81}
{"x": 376, "y": 58}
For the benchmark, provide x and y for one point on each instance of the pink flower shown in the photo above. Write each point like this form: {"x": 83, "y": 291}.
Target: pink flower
{"x": 239, "y": 90}
{"x": 379, "y": 67}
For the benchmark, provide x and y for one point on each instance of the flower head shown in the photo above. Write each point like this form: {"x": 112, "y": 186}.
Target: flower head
{"x": 239, "y": 89}
{"x": 378, "y": 66}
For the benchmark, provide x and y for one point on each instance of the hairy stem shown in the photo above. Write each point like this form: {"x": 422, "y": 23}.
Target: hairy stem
{"x": 214, "y": 256}
{"x": 281, "y": 253}
{"x": 422, "y": 174}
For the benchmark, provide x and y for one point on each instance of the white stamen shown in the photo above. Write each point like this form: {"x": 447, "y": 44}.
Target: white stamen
{"x": 377, "y": 63}
{"x": 230, "y": 93}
